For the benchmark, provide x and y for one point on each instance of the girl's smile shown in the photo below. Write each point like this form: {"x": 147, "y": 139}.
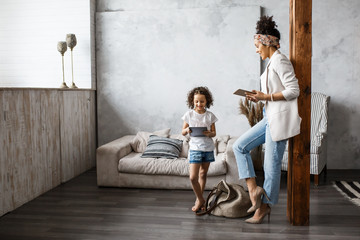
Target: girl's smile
{"x": 199, "y": 103}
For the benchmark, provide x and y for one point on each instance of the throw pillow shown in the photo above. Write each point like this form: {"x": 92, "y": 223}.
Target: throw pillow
{"x": 185, "y": 144}
{"x": 161, "y": 147}
{"x": 139, "y": 143}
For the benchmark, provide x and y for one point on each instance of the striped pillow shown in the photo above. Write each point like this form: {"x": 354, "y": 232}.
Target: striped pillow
{"x": 161, "y": 147}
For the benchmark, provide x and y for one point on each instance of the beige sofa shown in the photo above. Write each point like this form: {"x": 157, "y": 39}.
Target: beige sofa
{"x": 119, "y": 164}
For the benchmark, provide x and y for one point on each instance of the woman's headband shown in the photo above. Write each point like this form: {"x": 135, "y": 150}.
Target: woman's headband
{"x": 268, "y": 40}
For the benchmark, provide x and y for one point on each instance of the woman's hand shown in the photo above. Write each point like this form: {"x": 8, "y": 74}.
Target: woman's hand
{"x": 255, "y": 96}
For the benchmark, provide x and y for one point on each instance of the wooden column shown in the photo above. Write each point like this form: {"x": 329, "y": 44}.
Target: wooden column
{"x": 298, "y": 202}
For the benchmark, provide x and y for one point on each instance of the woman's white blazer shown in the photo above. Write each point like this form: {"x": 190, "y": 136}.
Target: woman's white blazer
{"x": 283, "y": 116}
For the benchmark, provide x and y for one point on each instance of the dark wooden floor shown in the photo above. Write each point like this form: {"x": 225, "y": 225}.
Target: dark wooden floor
{"x": 81, "y": 210}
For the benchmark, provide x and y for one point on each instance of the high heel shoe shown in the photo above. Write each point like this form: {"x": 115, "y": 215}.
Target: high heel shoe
{"x": 260, "y": 220}
{"x": 259, "y": 191}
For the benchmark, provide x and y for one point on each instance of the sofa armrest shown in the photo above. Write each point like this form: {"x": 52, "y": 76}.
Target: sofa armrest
{"x": 107, "y": 159}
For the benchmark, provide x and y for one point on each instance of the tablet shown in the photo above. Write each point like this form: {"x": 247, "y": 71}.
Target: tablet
{"x": 242, "y": 92}
{"x": 197, "y": 131}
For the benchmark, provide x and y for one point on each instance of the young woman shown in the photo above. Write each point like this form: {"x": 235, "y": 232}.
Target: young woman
{"x": 279, "y": 91}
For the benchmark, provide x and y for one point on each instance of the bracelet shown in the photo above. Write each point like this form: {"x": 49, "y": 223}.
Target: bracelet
{"x": 271, "y": 95}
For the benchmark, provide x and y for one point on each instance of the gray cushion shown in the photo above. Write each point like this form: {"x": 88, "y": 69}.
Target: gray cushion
{"x": 161, "y": 147}
{"x": 139, "y": 142}
{"x": 185, "y": 145}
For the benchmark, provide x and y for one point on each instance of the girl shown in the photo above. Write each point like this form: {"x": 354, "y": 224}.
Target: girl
{"x": 281, "y": 121}
{"x": 201, "y": 152}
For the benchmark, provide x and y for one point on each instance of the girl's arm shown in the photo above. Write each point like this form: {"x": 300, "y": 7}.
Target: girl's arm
{"x": 212, "y": 132}
{"x": 185, "y": 129}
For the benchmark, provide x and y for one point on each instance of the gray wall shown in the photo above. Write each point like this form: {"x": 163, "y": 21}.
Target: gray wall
{"x": 335, "y": 68}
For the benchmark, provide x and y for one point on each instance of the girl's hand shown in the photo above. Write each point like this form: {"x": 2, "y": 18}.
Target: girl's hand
{"x": 209, "y": 134}
{"x": 185, "y": 130}
{"x": 212, "y": 132}
{"x": 255, "y": 96}
{"x": 188, "y": 130}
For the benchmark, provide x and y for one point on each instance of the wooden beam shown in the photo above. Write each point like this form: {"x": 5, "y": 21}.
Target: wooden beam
{"x": 298, "y": 203}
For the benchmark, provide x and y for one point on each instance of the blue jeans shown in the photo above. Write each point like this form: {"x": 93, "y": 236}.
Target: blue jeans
{"x": 274, "y": 151}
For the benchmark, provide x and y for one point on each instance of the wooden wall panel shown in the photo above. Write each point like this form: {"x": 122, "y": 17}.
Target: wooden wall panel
{"x": 5, "y": 195}
{"x": 18, "y": 132}
{"x": 2, "y": 158}
{"x": 68, "y": 141}
{"x": 15, "y": 150}
{"x": 88, "y": 131}
{"x": 77, "y": 133}
{"x": 46, "y": 136}
{"x": 45, "y": 131}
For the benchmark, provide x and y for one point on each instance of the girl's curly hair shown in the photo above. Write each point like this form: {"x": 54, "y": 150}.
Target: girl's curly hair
{"x": 199, "y": 90}
{"x": 267, "y": 26}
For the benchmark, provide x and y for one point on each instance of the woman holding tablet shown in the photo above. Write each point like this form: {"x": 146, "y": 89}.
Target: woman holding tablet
{"x": 279, "y": 91}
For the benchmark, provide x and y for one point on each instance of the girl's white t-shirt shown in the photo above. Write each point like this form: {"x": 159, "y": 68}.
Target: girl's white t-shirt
{"x": 195, "y": 119}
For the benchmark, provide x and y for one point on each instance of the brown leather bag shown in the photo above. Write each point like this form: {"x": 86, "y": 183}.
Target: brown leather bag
{"x": 227, "y": 200}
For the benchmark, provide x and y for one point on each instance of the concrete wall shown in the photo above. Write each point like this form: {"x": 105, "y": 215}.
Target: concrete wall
{"x": 164, "y": 54}
{"x": 336, "y": 60}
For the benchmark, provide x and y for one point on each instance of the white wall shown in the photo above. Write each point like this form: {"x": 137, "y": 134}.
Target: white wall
{"x": 29, "y": 32}
{"x": 335, "y": 70}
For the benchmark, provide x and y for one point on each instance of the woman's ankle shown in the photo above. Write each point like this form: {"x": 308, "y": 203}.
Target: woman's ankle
{"x": 251, "y": 184}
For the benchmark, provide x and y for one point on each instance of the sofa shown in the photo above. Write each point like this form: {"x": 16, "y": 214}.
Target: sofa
{"x": 119, "y": 163}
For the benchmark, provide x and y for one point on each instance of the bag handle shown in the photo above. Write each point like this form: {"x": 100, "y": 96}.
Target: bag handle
{"x": 214, "y": 203}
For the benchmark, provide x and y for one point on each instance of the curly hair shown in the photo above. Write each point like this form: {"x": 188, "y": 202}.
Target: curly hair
{"x": 267, "y": 26}
{"x": 199, "y": 90}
